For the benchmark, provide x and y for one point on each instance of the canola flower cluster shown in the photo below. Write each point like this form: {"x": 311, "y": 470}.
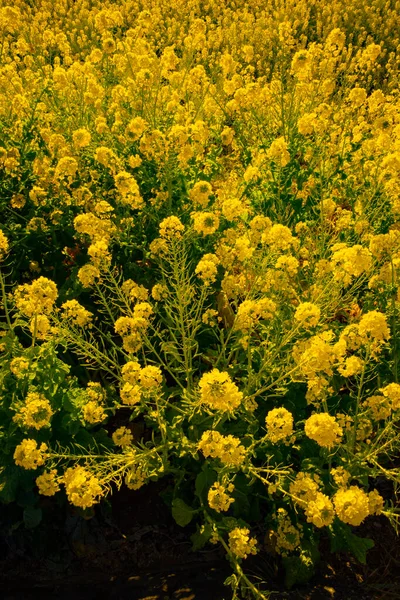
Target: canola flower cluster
{"x": 203, "y": 206}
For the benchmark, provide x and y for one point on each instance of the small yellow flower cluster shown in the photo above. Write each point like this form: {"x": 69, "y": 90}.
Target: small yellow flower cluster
{"x": 251, "y": 311}
{"x": 278, "y": 152}
{"x": 209, "y": 317}
{"x": 225, "y": 447}
{"x": 88, "y": 274}
{"x": 83, "y": 489}
{"x": 81, "y": 138}
{"x": 138, "y": 381}
{"x": 67, "y": 166}
{"x": 218, "y": 499}
{"x": 93, "y": 413}
{"x": 351, "y": 505}
{"x": 4, "y": 245}
{"x": 288, "y": 537}
{"x": 171, "y": 228}
{"x": 205, "y": 223}
{"x": 36, "y": 413}
{"x": 134, "y": 291}
{"x": 48, "y": 483}
{"x": 350, "y": 262}
{"x": 374, "y": 328}
{"x": 131, "y": 329}
{"x": 135, "y": 478}
{"x": 200, "y": 193}
{"x": 279, "y": 237}
{"x": 240, "y": 542}
{"x": 392, "y": 393}
{"x": 353, "y": 365}
{"x": 218, "y": 391}
{"x": 98, "y": 229}
{"x": 128, "y": 189}
{"x": 279, "y": 423}
{"x": 37, "y": 297}
{"x": 159, "y": 292}
{"x": 150, "y": 377}
{"x": 340, "y": 476}
{"x": 99, "y": 254}
{"x": 135, "y": 128}
{"x": 207, "y": 268}
{"x": 319, "y": 510}
{"x": 307, "y": 314}
{"x": 29, "y": 455}
{"x": 122, "y": 437}
{"x": 19, "y": 366}
{"x": 323, "y": 429}
{"x": 304, "y": 489}
{"x": 76, "y": 314}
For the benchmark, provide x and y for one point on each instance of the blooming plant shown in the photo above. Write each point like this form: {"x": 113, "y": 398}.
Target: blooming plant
{"x": 199, "y": 233}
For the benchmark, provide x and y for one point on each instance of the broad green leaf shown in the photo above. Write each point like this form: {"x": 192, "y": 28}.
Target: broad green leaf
{"x": 181, "y": 512}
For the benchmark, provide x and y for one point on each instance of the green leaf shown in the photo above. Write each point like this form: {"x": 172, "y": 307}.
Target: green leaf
{"x": 342, "y": 538}
{"x": 181, "y": 512}
{"x": 300, "y": 569}
{"x": 32, "y": 516}
{"x": 204, "y": 481}
{"x": 201, "y": 537}
{"x": 359, "y": 546}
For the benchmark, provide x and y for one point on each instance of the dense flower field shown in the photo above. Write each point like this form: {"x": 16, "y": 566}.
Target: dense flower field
{"x": 200, "y": 232}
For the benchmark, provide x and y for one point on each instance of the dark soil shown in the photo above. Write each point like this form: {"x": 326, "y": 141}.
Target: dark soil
{"x": 135, "y": 551}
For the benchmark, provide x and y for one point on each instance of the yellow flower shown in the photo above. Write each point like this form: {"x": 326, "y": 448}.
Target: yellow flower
{"x": 159, "y": 292}
{"x": 279, "y": 423}
{"x": 278, "y": 152}
{"x": 47, "y": 483}
{"x": 373, "y": 325}
{"x": 205, "y": 222}
{"x": 351, "y": 505}
{"x": 225, "y": 447}
{"x": 150, "y": 377}
{"x": 3, "y": 245}
{"x": 376, "y": 502}
{"x": 37, "y": 411}
{"x": 29, "y": 455}
{"x": 200, "y": 193}
{"x": 392, "y": 393}
{"x": 122, "y": 437}
{"x": 66, "y": 167}
{"x": 40, "y": 326}
{"x": 93, "y": 413}
{"x": 304, "y": 489}
{"x": 340, "y": 476}
{"x": 135, "y": 128}
{"x": 240, "y": 542}
{"x": 323, "y": 429}
{"x": 130, "y": 393}
{"x": 218, "y": 391}
{"x": 217, "y": 497}
{"x": 81, "y": 138}
{"x": 319, "y": 511}
{"x": 288, "y": 536}
{"x": 308, "y": 314}
{"x": 83, "y": 489}
{"x": 171, "y": 227}
{"x": 207, "y": 268}
{"x": 348, "y": 263}
{"x": 88, "y": 274}
{"x": 76, "y": 313}
{"x": 99, "y": 253}
{"x": 19, "y": 366}
{"x": 352, "y": 366}
{"x": 131, "y": 371}
{"x": 37, "y": 297}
